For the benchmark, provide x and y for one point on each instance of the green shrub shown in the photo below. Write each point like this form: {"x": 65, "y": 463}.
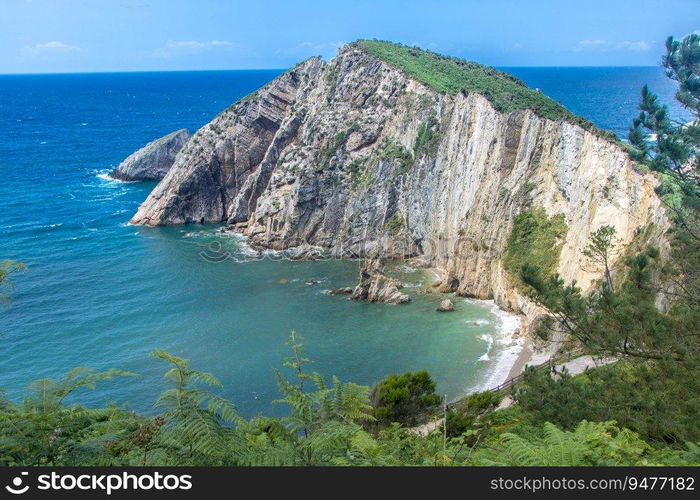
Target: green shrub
{"x": 395, "y": 152}
{"x": 406, "y": 399}
{"x": 325, "y": 155}
{"x": 482, "y": 401}
{"x": 535, "y": 240}
{"x": 359, "y": 175}
{"x": 427, "y": 139}
{"x": 394, "y": 224}
{"x": 658, "y": 400}
{"x": 458, "y": 423}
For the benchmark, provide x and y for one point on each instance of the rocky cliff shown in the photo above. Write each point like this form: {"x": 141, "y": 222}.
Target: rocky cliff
{"x": 356, "y": 156}
{"x": 153, "y": 161}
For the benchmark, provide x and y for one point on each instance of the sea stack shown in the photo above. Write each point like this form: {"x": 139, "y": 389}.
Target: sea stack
{"x": 375, "y": 286}
{"x": 153, "y": 161}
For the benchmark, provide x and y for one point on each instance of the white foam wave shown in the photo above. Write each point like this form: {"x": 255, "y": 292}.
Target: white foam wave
{"x": 489, "y": 344}
{"x": 407, "y": 284}
{"x": 50, "y": 226}
{"x": 405, "y": 268}
{"x": 479, "y": 322}
{"x": 504, "y": 346}
{"x": 104, "y": 176}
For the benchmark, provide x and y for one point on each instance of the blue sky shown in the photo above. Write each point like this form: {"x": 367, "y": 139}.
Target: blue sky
{"x": 141, "y": 35}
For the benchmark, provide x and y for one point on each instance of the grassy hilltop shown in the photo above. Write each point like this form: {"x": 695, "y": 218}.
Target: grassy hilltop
{"x": 450, "y": 75}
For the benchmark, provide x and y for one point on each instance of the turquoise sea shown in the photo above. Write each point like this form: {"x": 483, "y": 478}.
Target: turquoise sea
{"x": 104, "y": 294}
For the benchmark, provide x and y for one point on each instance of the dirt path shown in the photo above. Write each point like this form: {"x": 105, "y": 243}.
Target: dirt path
{"x": 575, "y": 367}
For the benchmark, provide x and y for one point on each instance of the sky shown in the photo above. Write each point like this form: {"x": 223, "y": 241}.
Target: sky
{"x": 47, "y": 36}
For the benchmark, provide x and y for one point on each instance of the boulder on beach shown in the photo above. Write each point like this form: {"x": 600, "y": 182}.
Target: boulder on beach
{"x": 445, "y": 305}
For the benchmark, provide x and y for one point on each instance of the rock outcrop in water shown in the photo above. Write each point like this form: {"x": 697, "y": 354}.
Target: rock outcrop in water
{"x": 375, "y": 286}
{"x": 153, "y": 161}
{"x": 445, "y": 305}
{"x": 356, "y": 157}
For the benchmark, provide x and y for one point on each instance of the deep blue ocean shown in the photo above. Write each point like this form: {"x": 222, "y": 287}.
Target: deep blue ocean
{"x": 104, "y": 294}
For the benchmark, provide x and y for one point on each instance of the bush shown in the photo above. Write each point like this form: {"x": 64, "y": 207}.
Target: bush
{"x": 658, "y": 400}
{"x": 406, "y": 399}
{"x": 482, "y": 401}
{"x": 394, "y": 224}
{"x": 535, "y": 240}
{"x": 396, "y": 152}
{"x": 427, "y": 139}
{"x": 458, "y": 424}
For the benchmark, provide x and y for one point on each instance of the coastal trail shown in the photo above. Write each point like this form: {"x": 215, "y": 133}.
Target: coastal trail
{"x": 573, "y": 367}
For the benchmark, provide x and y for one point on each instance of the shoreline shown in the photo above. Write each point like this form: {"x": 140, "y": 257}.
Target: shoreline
{"x": 523, "y": 359}
{"x": 517, "y": 349}
{"x": 514, "y": 349}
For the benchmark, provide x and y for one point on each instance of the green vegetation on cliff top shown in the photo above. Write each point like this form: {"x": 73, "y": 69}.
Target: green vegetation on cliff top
{"x": 450, "y": 75}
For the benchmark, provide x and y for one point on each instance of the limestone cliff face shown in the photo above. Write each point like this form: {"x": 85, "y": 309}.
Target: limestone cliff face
{"x": 152, "y": 161}
{"x": 354, "y": 156}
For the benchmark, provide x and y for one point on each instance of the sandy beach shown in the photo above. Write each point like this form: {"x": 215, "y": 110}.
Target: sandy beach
{"x": 524, "y": 357}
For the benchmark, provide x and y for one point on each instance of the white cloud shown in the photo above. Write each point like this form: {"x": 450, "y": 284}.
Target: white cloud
{"x": 308, "y": 48}
{"x": 51, "y": 47}
{"x": 196, "y": 44}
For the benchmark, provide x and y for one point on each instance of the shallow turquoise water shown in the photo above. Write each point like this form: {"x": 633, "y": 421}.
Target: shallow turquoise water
{"x": 104, "y": 294}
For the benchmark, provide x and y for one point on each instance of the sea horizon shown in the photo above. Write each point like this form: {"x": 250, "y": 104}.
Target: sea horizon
{"x": 110, "y": 72}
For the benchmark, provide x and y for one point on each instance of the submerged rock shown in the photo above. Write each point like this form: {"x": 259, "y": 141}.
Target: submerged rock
{"x": 346, "y": 290}
{"x": 153, "y": 161}
{"x": 446, "y": 305}
{"x": 375, "y": 286}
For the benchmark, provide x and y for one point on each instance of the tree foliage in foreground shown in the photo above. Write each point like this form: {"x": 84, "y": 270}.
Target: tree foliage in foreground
{"x": 408, "y": 399}
{"x": 8, "y": 268}
{"x": 654, "y": 399}
{"x": 324, "y": 427}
